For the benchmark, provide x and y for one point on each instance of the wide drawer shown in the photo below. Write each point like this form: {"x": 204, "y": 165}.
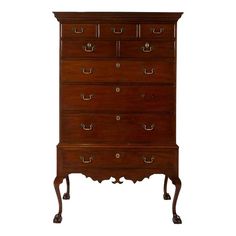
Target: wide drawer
{"x": 157, "y": 31}
{"x": 79, "y": 30}
{"x": 117, "y": 98}
{"x": 119, "y": 31}
{"x": 88, "y": 48}
{"x": 161, "y": 159}
{"x": 117, "y": 71}
{"x": 147, "y": 49}
{"x": 118, "y": 128}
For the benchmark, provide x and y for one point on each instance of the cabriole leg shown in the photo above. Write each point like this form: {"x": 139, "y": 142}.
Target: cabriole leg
{"x": 66, "y": 195}
{"x": 58, "y": 218}
{"x": 166, "y": 195}
{"x": 177, "y": 183}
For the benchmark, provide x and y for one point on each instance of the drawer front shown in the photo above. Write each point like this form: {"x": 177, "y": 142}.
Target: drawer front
{"x": 146, "y": 49}
{"x": 157, "y": 31}
{"x": 117, "y": 71}
{"x": 79, "y": 31}
{"x": 88, "y": 48}
{"x": 117, "y": 98}
{"x": 118, "y": 31}
{"x": 118, "y": 128}
{"x": 161, "y": 159}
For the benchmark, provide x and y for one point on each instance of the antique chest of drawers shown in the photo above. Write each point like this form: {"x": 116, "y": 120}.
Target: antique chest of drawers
{"x": 117, "y": 98}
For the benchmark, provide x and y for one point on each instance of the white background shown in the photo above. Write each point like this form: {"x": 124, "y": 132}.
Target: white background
{"x": 29, "y": 128}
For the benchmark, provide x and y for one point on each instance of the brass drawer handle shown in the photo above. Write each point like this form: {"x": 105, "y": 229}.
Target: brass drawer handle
{"x": 87, "y": 71}
{"x": 147, "y": 48}
{"x": 149, "y": 128}
{"x": 148, "y": 160}
{"x": 89, "y": 48}
{"x": 86, "y": 98}
{"x": 117, "y": 31}
{"x": 76, "y": 31}
{"x": 148, "y": 72}
{"x": 86, "y": 161}
{"x": 155, "y": 31}
{"x": 87, "y": 128}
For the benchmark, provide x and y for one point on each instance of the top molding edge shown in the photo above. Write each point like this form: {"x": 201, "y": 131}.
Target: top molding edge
{"x": 100, "y": 17}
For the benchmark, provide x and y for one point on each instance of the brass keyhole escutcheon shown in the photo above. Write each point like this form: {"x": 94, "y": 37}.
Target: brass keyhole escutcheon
{"x": 117, "y": 89}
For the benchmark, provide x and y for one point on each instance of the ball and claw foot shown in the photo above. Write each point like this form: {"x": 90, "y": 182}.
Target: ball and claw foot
{"x": 66, "y": 196}
{"x": 57, "y": 218}
{"x": 166, "y": 196}
{"x": 176, "y": 219}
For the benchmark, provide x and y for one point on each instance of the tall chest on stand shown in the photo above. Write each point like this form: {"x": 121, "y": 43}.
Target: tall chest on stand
{"x": 117, "y": 98}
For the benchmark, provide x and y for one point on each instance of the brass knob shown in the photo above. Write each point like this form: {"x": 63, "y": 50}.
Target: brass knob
{"x": 117, "y": 65}
{"x": 117, "y": 89}
{"x": 117, "y": 117}
{"x": 117, "y": 155}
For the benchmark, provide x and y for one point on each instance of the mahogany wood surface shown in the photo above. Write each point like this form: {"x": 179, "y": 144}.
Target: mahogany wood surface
{"x": 157, "y": 31}
{"x": 118, "y": 31}
{"x": 79, "y": 30}
{"x": 137, "y": 49}
{"x": 162, "y": 159}
{"x": 118, "y": 128}
{"x": 117, "y": 98}
{"x": 117, "y": 71}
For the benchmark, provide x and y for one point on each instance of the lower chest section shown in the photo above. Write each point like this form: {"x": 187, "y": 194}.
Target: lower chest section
{"x": 76, "y": 159}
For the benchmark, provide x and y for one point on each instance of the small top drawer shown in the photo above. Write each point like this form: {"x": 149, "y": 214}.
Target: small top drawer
{"x": 119, "y": 31}
{"x": 157, "y": 31}
{"x": 79, "y": 31}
